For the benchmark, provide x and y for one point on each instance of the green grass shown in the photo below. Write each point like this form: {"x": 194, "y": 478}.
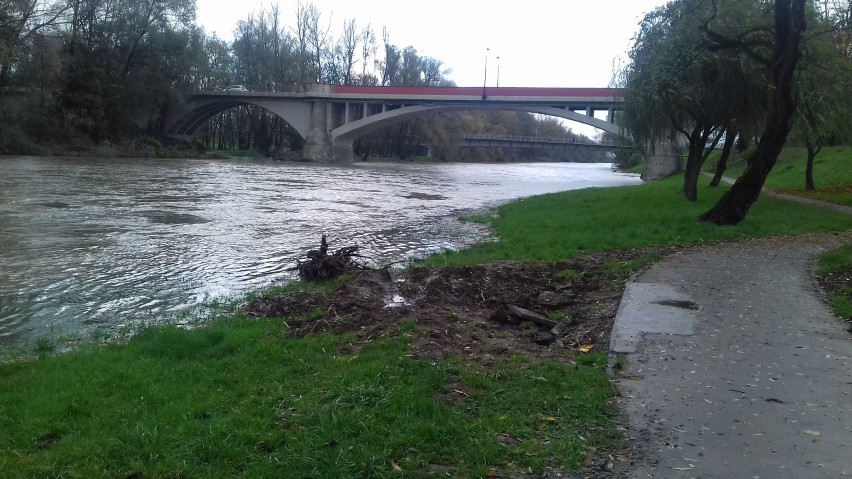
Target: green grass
{"x": 241, "y": 398}
{"x": 842, "y": 303}
{"x": 237, "y": 398}
{"x": 556, "y": 226}
{"x": 832, "y": 173}
{"x": 838, "y": 261}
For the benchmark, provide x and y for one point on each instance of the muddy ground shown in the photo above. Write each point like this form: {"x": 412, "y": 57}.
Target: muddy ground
{"x": 464, "y": 311}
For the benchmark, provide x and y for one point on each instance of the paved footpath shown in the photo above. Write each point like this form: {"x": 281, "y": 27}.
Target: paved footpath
{"x": 735, "y": 368}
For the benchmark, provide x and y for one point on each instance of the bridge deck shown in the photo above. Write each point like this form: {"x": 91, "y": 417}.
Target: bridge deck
{"x": 516, "y": 95}
{"x": 476, "y": 93}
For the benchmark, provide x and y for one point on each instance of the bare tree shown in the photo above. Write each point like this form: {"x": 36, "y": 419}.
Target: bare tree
{"x": 368, "y": 50}
{"x": 20, "y": 20}
{"x": 346, "y": 48}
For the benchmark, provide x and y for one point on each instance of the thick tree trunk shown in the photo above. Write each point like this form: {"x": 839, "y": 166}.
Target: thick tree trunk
{"x": 813, "y": 151}
{"x": 722, "y": 165}
{"x": 694, "y": 161}
{"x": 734, "y": 205}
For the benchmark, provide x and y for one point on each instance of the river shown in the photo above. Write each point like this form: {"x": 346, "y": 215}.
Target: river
{"x": 91, "y": 246}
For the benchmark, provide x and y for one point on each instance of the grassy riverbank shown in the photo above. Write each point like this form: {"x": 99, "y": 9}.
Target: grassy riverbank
{"x": 832, "y": 173}
{"x": 246, "y": 398}
{"x": 550, "y": 227}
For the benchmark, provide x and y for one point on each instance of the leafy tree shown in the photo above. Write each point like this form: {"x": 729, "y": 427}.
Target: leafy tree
{"x": 825, "y": 81}
{"x": 676, "y": 83}
{"x": 790, "y": 25}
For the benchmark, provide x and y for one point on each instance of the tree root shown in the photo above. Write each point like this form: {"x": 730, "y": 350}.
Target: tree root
{"x": 321, "y": 266}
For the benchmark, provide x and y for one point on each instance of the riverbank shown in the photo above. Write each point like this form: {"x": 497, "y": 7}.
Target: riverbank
{"x": 453, "y": 390}
{"x": 832, "y": 174}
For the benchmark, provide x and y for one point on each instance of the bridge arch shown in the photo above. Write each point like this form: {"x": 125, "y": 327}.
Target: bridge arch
{"x": 296, "y": 113}
{"x": 351, "y": 131}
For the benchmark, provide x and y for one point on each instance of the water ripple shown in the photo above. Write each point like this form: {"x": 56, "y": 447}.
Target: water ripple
{"x": 102, "y": 243}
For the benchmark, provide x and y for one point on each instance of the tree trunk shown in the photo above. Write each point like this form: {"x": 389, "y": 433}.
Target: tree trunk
{"x": 697, "y": 142}
{"x": 734, "y": 205}
{"x": 813, "y": 151}
{"x": 722, "y": 165}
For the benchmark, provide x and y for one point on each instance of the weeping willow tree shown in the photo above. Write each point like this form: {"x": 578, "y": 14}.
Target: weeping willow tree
{"x": 790, "y": 26}
{"x": 677, "y": 87}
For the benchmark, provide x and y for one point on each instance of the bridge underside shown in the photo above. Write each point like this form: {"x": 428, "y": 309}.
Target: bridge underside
{"x": 351, "y": 130}
{"x": 295, "y": 112}
{"x": 343, "y": 135}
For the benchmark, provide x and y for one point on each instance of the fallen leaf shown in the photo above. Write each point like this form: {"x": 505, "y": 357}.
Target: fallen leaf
{"x": 811, "y": 433}
{"x": 459, "y": 391}
{"x": 550, "y": 419}
{"x": 491, "y": 472}
{"x": 396, "y": 467}
{"x": 586, "y": 348}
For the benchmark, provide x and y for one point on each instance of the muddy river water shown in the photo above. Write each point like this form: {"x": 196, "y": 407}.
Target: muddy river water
{"x": 89, "y": 245}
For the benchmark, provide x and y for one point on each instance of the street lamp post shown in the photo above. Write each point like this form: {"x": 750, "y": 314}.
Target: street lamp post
{"x": 485, "y": 76}
{"x": 498, "y": 72}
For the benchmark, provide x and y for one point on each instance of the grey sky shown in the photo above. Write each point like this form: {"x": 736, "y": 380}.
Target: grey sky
{"x": 547, "y": 43}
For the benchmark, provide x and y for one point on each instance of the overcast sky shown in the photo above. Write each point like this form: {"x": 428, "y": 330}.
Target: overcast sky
{"x": 546, "y": 43}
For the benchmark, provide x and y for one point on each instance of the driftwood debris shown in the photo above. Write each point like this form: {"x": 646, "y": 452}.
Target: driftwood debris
{"x": 527, "y": 315}
{"x": 321, "y": 266}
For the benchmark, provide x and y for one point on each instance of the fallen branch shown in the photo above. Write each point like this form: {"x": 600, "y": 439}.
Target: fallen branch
{"x": 527, "y": 315}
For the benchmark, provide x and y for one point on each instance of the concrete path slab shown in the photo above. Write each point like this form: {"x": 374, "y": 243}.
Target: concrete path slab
{"x": 650, "y": 308}
{"x": 763, "y": 386}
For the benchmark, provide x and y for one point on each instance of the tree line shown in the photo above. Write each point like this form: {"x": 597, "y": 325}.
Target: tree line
{"x": 746, "y": 74}
{"x": 100, "y": 71}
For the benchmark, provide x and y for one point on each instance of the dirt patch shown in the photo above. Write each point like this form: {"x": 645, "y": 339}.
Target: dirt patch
{"x": 462, "y": 311}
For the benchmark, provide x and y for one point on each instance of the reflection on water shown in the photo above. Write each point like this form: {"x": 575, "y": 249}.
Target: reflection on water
{"x": 90, "y": 243}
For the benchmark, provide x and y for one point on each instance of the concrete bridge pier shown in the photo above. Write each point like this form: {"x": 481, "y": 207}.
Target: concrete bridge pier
{"x": 318, "y": 142}
{"x": 664, "y": 161}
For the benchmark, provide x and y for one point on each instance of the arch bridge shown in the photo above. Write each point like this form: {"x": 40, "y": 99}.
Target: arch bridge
{"x": 331, "y": 117}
